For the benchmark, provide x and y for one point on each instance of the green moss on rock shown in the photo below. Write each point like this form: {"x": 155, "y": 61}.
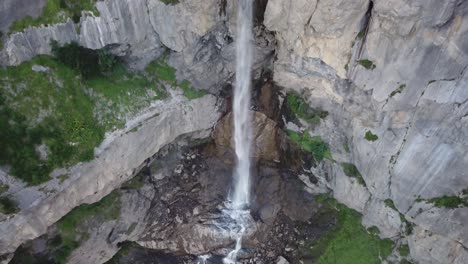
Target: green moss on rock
{"x": 404, "y": 250}
{"x": 314, "y": 145}
{"x": 301, "y": 109}
{"x": 348, "y": 242}
{"x": 350, "y": 170}
{"x": 8, "y": 205}
{"x": 449, "y": 202}
{"x": 369, "y": 136}
{"x": 71, "y": 227}
{"x": 389, "y": 203}
{"x": 398, "y": 90}
{"x": 367, "y": 64}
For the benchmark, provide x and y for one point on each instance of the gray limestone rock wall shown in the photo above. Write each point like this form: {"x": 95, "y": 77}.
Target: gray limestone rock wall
{"x": 414, "y": 100}
{"x": 13, "y": 10}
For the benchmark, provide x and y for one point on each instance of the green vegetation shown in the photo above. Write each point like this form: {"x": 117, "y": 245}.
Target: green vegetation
{"x": 190, "y": 92}
{"x": 346, "y": 147}
{"x": 90, "y": 63}
{"x": 49, "y": 108}
{"x": 373, "y": 230}
{"x": 66, "y": 106}
{"x": 170, "y": 2}
{"x": 56, "y": 11}
{"x": 348, "y": 242}
{"x": 370, "y": 137}
{"x": 446, "y": 201}
{"x": 135, "y": 183}
{"x": 3, "y": 188}
{"x": 314, "y": 145}
{"x": 69, "y": 227}
{"x": 361, "y": 34}
{"x": 449, "y": 202}
{"x": 404, "y": 250}
{"x": 398, "y": 90}
{"x": 63, "y": 178}
{"x": 405, "y": 261}
{"x": 301, "y": 109}
{"x": 367, "y": 64}
{"x": 163, "y": 71}
{"x": 390, "y": 204}
{"x": 8, "y": 206}
{"x": 351, "y": 171}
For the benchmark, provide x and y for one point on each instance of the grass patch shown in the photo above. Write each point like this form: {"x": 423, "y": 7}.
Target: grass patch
{"x": 56, "y": 11}
{"x": 370, "y": 137}
{"x": 350, "y": 170}
{"x": 373, "y": 230}
{"x": 448, "y": 202}
{"x": 190, "y": 92}
{"x": 348, "y": 242}
{"x": 301, "y": 109}
{"x": 69, "y": 227}
{"x": 390, "y": 204}
{"x": 314, "y": 145}
{"x": 367, "y": 64}
{"x": 404, "y": 250}
{"x": 8, "y": 206}
{"x": 161, "y": 70}
{"x": 68, "y": 108}
{"x": 50, "y": 108}
{"x": 398, "y": 90}
{"x": 170, "y": 2}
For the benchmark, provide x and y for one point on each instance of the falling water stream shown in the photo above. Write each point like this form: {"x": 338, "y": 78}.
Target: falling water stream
{"x": 238, "y": 206}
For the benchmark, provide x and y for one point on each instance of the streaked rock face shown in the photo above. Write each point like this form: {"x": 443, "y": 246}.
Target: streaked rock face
{"x": 12, "y": 10}
{"x": 414, "y": 100}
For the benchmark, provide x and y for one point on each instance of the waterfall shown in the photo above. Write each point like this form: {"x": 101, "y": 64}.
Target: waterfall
{"x": 241, "y": 106}
{"x": 240, "y": 197}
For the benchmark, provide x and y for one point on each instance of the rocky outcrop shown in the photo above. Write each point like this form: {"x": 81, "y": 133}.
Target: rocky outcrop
{"x": 398, "y": 70}
{"x": 267, "y": 137}
{"x": 118, "y": 159}
{"x": 200, "y": 33}
{"x": 138, "y": 28}
{"x": 13, "y": 10}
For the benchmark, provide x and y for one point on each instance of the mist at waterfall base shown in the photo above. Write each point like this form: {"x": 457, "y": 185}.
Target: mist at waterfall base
{"x": 239, "y": 200}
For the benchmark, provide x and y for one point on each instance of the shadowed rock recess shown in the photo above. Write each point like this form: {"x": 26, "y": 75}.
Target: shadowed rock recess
{"x": 360, "y": 128}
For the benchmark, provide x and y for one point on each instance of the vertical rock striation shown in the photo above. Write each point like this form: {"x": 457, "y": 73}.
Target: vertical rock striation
{"x": 397, "y": 69}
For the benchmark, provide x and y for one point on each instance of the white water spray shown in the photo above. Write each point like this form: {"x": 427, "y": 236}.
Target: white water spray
{"x": 240, "y": 198}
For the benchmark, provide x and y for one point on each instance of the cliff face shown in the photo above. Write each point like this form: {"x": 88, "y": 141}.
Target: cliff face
{"x": 393, "y": 68}
{"x": 413, "y": 99}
